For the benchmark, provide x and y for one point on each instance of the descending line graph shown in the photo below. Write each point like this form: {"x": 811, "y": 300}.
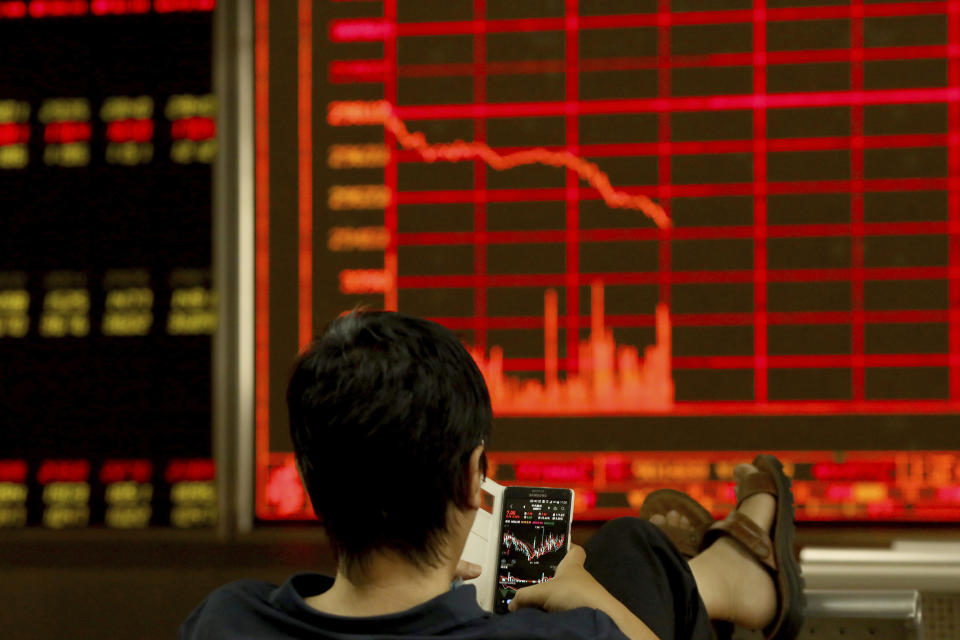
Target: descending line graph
{"x": 534, "y": 551}
{"x": 361, "y": 112}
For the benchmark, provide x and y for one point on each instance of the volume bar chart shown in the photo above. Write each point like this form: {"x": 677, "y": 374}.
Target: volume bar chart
{"x": 613, "y": 379}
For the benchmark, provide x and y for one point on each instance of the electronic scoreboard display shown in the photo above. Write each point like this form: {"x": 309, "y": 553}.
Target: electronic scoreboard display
{"x": 107, "y": 133}
{"x": 673, "y": 233}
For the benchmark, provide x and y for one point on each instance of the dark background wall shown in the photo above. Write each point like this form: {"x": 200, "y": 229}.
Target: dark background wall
{"x": 96, "y": 584}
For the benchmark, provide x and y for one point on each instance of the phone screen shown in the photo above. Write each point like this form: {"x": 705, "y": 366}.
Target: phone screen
{"x": 534, "y": 537}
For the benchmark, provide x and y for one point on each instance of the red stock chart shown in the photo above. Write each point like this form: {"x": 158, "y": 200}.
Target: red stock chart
{"x": 671, "y": 234}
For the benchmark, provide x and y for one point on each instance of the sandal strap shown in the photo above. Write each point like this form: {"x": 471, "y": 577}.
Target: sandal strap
{"x": 748, "y": 533}
{"x": 754, "y": 483}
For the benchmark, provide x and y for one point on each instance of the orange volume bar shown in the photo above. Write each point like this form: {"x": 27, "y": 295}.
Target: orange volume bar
{"x": 361, "y": 196}
{"x": 359, "y": 281}
{"x": 357, "y": 156}
{"x": 357, "y": 238}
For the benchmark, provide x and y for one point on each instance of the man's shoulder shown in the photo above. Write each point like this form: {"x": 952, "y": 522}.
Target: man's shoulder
{"x": 535, "y": 623}
{"x": 239, "y": 592}
{"x": 242, "y": 604}
{"x": 248, "y": 608}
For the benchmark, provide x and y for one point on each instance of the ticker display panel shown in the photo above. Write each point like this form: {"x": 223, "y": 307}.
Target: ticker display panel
{"x": 672, "y": 233}
{"x": 107, "y": 134}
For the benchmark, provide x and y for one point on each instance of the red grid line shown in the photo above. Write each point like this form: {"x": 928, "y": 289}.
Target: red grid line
{"x": 548, "y": 194}
{"x": 719, "y": 319}
{"x": 390, "y": 297}
{"x": 617, "y": 234}
{"x": 760, "y": 205}
{"x": 376, "y": 70}
{"x": 679, "y": 277}
{"x": 723, "y": 16}
{"x": 869, "y": 273}
{"x": 262, "y": 245}
{"x": 818, "y": 361}
{"x": 572, "y": 190}
{"x": 844, "y": 317}
{"x": 305, "y": 171}
{"x": 345, "y": 71}
{"x": 858, "y": 380}
{"x": 775, "y": 318}
{"x": 872, "y": 184}
{"x": 686, "y": 103}
{"x": 665, "y": 149}
{"x": 480, "y": 172}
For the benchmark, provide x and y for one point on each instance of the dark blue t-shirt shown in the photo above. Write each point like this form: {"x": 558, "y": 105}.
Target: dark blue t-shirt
{"x": 254, "y": 609}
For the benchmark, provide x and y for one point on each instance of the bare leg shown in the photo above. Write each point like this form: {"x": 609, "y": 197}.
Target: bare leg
{"x": 733, "y": 585}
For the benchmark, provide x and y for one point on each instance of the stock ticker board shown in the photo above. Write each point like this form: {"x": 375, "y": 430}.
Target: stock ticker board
{"x": 672, "y": 233}
{"x": 107, "y": 132}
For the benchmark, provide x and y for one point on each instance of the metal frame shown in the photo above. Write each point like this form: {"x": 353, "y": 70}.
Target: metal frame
{"x": 929, "y": 567}
{"x": 233, "y": 267}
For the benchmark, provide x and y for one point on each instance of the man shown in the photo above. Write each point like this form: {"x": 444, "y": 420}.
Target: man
{"x": 389, "y": 417}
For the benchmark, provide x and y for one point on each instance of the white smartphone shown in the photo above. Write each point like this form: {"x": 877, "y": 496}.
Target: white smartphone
{"x": 534, "y": 538}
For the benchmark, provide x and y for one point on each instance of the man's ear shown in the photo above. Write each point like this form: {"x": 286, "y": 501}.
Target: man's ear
{"x": 296, "y": 463}
{"x": 475, "y": 478}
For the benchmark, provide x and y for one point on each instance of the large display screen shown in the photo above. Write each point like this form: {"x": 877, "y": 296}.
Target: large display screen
{"x": 672, "y": 233}
{"x": 107, "y": 132}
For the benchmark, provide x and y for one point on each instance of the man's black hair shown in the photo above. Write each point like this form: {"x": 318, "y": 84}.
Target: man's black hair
{"x": 385, "y": 410}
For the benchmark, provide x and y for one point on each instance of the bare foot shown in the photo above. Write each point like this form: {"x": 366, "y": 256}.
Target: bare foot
{"x": 672, "y": 519}
{"x": 733, "y": 585}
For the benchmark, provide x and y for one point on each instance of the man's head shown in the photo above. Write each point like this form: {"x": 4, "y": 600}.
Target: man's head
{"x": 385, "y": 411}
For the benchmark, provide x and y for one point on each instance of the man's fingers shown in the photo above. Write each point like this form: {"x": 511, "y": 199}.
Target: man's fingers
{"x": 575, "y": 557}
{"x": 576, "y": 554}
{"x": 537, "y": 595}
{"x": 468, "y": 570}
{"x": 545, "y": 595}
{"x": 532, "y": 596}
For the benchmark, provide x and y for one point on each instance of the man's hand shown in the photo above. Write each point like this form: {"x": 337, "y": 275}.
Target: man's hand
{"x": 573, "y": 587}
{"x": 570, "y": 588}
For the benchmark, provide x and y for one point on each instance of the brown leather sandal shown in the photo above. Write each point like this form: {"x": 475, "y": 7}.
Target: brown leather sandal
{"x": 663, "y": 501}
{"x": 688, "y": 542}
{"x": 774, "y": 550}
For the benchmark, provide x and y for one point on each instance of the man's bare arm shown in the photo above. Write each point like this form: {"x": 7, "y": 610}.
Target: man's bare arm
{"x": 574, "y": 587}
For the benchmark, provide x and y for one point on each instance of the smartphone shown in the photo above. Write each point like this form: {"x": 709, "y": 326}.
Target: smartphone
{"x": 534, "y": 538}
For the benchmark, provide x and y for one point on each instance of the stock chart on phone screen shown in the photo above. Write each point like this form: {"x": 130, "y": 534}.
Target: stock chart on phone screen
{"x": 533, "y": 541}
{"x": 672, "y": 233}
